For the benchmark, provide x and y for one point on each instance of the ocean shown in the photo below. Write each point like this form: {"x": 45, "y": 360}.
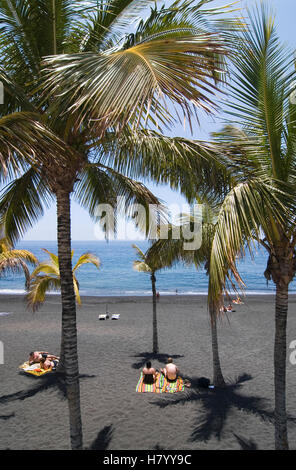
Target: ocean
{"x": 116, "y": 276}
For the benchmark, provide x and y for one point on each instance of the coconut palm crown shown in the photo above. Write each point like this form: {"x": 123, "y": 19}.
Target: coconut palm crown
{"x": 46, "y": 277}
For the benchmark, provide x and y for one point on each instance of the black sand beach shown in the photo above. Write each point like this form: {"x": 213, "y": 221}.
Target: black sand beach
{"x": 34, "y": 414}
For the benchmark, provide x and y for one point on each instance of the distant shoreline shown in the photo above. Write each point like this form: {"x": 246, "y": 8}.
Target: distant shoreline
{"x": 19, "y": 293}
{"x": 179, "y": 298}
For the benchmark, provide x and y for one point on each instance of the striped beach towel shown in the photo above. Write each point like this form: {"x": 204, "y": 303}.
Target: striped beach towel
{"x": 161, "y": 385}
{"x": 154, "y": 388}
{"x": 171, "y": 387}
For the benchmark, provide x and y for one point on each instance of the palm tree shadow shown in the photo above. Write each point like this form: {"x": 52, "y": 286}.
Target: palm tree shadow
{"x": 49, "y": 381}
{"x": 103, "y": 439}
{"x": 149, "y": 356}
{"x": 6, "y": 417}
{"x": 217, "y": 404}
{"x": 158, "y": 447}
{"x": 245, "y": 444}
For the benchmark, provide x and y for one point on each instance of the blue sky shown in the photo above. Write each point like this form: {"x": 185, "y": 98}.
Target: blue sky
{"x": 82, "y": 226}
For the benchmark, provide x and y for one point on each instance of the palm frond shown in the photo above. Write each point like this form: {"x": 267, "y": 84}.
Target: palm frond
{"x": 100, "y": 184}
{"x": 140, "y": 253}
{"x": 54, "y": 258}
{"x": 25, "y": 140}
{"x": 104, "y": 21}
{"x": 190, "y": 166}
{"x": 30, "y": 30}
{"x": 46, "y": 267}
{"x": 39, "y": 286}
{"x": 142, "y": 267}
{"x": 263, "y": 74}
{"x": 177, "y": 68}
{"x": 160, "y": 255}
{"x": 22, "y": 203}
{"x": 76, "y": 290}
{"x": 14, "y": 265}
{"x": 87, "y": 258}
{"x": 23, "y": 255}
{"x": 250, "y": 208}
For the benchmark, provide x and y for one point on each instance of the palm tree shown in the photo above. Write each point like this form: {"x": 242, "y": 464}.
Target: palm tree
{"x": 171, "y": 250}
{"x": 15, "y": 261}
{"x": 203, "y": 256}
{"x": 39, "y": 283}
{"x": 149, "y": 265}
{"x": 91, "y": 37}
{"x": 261, "y": 154}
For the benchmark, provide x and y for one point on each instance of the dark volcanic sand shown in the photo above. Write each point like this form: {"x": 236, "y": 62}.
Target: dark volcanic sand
{"x": 34, "y": 414}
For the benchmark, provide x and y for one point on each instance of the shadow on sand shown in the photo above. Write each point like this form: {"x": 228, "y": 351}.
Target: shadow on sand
{"x": 217, "y": 405}
{"x": 245, "y": 444}
{"x": 149, "y": 356}
{"x": 103, "y": 439}
{"x": 6, "y": 417}
{"x": 49, "y": 381}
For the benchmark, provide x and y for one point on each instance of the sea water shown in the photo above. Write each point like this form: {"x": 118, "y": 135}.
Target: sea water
{"x": 116, "y": 276}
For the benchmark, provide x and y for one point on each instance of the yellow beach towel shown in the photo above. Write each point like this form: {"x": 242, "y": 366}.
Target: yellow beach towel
{"x": 34, "y": 369}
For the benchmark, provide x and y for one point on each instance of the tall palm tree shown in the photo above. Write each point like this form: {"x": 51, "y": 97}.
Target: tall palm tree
{"x": 151, "y": 265}
{"x": 46, "y": 277}
{"x": 171, "y": 250}
{"x": 15, "y": 261}
{"x": 200, "y": 257}
{"x": 261, "y": 152}
{"x": 174, "y": 54}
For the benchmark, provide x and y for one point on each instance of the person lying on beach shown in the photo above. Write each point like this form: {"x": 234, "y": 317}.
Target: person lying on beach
{"x": 46, "y": 363}
{"x": 227, "y": 309}
{"x": 170, "y": 371}
{"x": 149, "y": 374}
{"x": 223, "y": 309}
{"x": 237, "y": 301}
{"x": 34, "y": 357}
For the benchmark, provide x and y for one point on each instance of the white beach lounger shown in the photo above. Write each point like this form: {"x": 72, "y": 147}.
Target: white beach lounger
{"x": 115, "y": 316}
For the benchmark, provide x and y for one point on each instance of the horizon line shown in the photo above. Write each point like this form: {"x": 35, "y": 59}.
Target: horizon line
{"x": 108, "y": 241}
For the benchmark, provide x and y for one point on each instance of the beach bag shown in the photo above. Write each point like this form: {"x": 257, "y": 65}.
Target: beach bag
{"x": 203, "y": 382}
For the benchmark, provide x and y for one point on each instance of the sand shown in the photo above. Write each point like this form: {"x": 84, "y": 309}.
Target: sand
{"x": 34, "y": 414}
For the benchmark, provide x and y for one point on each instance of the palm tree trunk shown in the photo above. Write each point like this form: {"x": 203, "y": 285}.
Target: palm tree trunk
{"x": 69, "y": 330}
{"x": 155, "y": 335}
{"x": 281, "y": 313}
{"x": 218, "y": 379}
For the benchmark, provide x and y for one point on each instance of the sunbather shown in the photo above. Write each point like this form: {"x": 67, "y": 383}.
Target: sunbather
{"x": 46, "y": 363}
{"x": 237, "y": 301}
{"x": 36, "y": 356}
{"x": 149, "y": 374}
{"x": 224, "y": 309}
{"x": 170, "y": 371}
